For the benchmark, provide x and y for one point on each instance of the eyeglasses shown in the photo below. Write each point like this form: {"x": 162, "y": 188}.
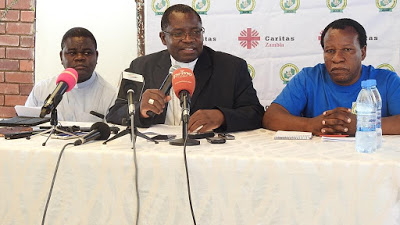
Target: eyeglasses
{"x": 195, "y": 34}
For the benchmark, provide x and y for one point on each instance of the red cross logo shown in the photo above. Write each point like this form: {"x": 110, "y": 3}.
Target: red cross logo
{"x": 249, "y": 38}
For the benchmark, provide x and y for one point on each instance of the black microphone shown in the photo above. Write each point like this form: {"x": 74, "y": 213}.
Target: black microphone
{"x": 166, "y": 85}
{"x": 131, "y": 106}
{"x": 65, "y": 82}
{"x": 99, "y": 131}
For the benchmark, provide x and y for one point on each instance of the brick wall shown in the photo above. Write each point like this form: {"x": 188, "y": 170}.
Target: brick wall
{"x": 17, "y": 43}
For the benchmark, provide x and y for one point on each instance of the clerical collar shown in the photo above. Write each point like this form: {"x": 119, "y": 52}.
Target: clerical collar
{"x": 86, "y": 83}
{"x": 189, "y": 65}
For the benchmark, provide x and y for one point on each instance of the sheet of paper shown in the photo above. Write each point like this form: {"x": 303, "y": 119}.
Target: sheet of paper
{"x": 346, "y": 139}
{"x": 28, "y": 111}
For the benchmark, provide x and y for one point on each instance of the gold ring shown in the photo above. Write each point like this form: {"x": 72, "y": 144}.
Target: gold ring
{"x": 151, "y": 101}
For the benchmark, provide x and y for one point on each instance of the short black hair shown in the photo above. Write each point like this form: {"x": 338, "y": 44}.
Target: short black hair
{"x": 176, "y": 8}
{"x": 342, "y": 24}
{"x": 78, "y": 32}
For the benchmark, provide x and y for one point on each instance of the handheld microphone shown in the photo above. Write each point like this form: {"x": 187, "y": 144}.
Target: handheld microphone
{"x": 184, "y": 83}
{"x": 65, "y": 82}
{"x": 166, "y": 85}
{"x": 99, "y": 131}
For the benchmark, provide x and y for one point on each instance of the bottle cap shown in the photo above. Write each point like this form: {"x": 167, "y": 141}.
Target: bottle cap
{"x": 364, "y": 84}
{"x": 373, "y": 82}
{"x": 368, "y": 83}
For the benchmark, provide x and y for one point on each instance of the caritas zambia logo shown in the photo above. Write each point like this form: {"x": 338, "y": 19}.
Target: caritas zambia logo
{"x": 249, "y": 38}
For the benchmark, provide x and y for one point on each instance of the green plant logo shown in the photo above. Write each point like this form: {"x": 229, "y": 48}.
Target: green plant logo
{"x": 245, "y": 6}
{"x": 385, "y": 5}
{"x": 336, "y": 5}
{"x": 159, "y": 6}
{"x": 290, "y": 6}
{"x": 201, "y": 6}
{"x": 287, "y": 72}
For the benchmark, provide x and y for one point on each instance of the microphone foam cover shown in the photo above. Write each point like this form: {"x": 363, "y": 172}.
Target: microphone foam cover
{"x": 69, "y": 76}
{"x": 103, "y": 128}
{"x": 183, "y": 79}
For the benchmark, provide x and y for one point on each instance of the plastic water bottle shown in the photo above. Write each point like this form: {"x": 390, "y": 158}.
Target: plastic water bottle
{"x": 366, "y": 119}
{"x": 378, "y": 102}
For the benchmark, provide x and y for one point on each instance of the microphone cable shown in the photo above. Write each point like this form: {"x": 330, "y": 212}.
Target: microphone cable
{"x": 53, "y": 181}
{"x": 187, "y": 179}
{"x": 133, "y": 137}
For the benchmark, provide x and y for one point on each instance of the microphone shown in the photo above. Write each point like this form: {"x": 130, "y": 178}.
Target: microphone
{"x": 166, "y": 85}
{"x": 65, "y": 82}
{"x": 99, "y": 131}
{"x": 184, "y": 82}
{"x": 131, "y": 106}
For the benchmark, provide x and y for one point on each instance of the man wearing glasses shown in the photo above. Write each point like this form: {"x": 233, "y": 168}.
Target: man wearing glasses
{"x": 224, "y": 99}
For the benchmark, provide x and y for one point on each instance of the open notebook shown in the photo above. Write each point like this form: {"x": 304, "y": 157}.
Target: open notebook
{"x": 292, "y": 135}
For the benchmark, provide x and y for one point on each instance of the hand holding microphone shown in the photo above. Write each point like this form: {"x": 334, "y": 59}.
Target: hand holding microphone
{"x": 65, "y": 82}
{"x": 153, "y": 100}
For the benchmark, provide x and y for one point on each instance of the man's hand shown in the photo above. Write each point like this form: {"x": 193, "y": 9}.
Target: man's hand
{"x": 338, "y": 121}
{"x": 209, "y": 119}
{"x": 153, "y": 100}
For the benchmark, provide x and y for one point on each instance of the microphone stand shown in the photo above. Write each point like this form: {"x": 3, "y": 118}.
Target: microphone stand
{"x": 131, "y": 129}
{"x": 54, "y": 128}
{"x": 185, "y": 101}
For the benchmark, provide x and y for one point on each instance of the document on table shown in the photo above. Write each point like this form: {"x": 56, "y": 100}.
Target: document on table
{"x": 292, "y": 135}
{"x": 345, "y": 139}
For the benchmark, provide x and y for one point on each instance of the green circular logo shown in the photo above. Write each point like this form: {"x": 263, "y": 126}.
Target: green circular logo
{"x": 386, "y": 66}
{"x": 287, "y": 72}
{"x": 159, "y": 6}
{"x": 251, "y": 70}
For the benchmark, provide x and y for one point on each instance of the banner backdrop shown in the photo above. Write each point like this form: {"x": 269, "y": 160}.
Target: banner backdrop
{"x": 278, "y": 38}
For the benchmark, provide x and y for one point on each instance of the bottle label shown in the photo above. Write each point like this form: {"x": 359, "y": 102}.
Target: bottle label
{"x": 378, "y": 119}
{"x": 366, "y": 123}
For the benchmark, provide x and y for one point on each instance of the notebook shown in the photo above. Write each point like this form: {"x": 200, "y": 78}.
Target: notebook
{"x": 292, "y": 135}
{"x": 23, "y": 121}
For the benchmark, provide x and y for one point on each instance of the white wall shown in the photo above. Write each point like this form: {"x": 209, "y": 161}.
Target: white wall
{"x": 113, "y": 23}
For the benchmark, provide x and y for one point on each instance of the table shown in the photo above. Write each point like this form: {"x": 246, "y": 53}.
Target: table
{"x": 251, "y": 180}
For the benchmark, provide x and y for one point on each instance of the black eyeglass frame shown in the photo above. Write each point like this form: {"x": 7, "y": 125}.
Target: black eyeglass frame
{"x": 195, "y": 34}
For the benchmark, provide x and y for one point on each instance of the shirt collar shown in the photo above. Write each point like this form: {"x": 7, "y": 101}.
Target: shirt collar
{"x": 87, "y": 82}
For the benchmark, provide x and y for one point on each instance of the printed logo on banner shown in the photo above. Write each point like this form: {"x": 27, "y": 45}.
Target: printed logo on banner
{"x": 277, "y": 41}
{"x": 159, "y": 6}
{"x": 201, "y": 6}
{"x": 245, "y": 6}
{"x": 386, "y": 5}
{"x": 336, "y": 5}
{"x": 290, "y": 6}
{"x": 287, "y": 72}
{"x": 249, "y": 38}
{"x": 251, "y": 70}
{"x": 386, "y": 66}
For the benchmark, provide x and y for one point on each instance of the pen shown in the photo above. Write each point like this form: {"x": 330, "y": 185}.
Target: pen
{"x": 334, "y": 135}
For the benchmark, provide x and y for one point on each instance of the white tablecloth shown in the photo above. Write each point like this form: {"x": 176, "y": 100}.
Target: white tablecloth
{"x": 251, "y": 180}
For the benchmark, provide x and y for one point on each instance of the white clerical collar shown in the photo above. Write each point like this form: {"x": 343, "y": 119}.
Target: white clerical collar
{"x": 189, "y": 65}
{"x": 86, "y": 83}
